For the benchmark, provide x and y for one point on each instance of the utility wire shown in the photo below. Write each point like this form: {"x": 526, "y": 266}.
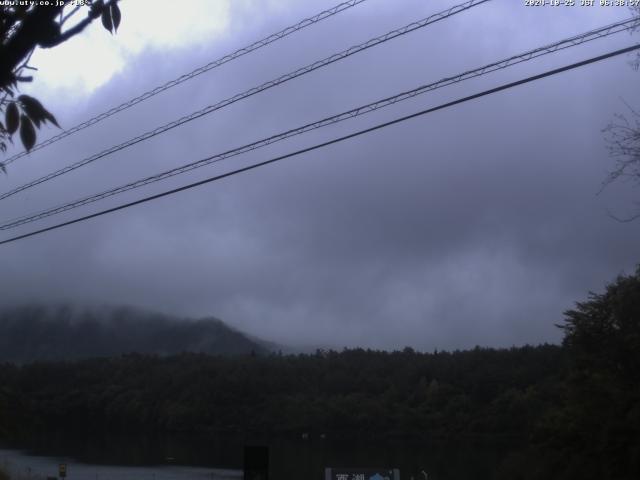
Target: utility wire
{"x": 272, "y": 83}
{"x": 331, "y": 142}
{"x": 307, "y": 22}
{"x": 361, "y": 110}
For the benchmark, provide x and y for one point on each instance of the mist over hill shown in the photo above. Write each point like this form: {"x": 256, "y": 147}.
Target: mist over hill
{"x": 67, "y": 332}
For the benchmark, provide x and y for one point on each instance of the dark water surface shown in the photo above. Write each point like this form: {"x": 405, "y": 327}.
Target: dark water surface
{"x": 214, "y": 458}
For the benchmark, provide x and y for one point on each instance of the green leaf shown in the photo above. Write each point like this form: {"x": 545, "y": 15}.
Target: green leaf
{"x": 36, "y": 112}
{"x": 49, "y": 116}
{"x": 115, "y": 15}
{"x": 27, "y": 132}
{"x": 106, "y": 20}
{"x": 12, "y": 118}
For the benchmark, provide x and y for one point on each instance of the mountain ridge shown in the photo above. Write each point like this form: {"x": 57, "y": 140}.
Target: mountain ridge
{"x": 52, "y": 332}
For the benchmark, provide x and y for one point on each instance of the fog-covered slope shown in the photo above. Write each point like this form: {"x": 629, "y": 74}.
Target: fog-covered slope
{"x": 55, "y": 332}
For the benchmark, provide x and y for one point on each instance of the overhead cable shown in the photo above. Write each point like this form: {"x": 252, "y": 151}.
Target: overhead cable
{"x": 330, "y": 142}
{"x": 272, "y": 83}
{"x": 307, "y": 22}
{"x": 355, "y": 112}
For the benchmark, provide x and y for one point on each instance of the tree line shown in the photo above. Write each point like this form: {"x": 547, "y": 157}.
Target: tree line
{"x": 573, "y": 410}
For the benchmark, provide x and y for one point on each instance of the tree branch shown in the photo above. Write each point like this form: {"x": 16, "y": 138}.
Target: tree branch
{"x": 35, "y": 28}
{"x": 69, "y": 15}
{"x": 76, "y": 29}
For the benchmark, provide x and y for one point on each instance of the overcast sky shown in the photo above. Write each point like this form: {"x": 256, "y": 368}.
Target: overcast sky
{"x": 476, "y": 225}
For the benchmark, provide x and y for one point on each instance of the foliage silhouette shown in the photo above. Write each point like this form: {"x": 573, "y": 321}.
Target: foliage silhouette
{"x": 24, "y": 26}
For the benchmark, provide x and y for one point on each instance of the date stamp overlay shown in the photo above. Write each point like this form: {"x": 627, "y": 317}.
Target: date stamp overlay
{"x": 582, "y": 3}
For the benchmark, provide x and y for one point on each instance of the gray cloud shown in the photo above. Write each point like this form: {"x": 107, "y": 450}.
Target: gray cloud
{"x": 479, "y": 224}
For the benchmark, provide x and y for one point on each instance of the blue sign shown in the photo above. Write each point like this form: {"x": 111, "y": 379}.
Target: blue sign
{"x": 361, "y": 474}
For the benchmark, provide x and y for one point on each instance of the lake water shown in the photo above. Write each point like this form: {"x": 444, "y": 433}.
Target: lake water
{"x": 24, "y": 466}
{"x": 202, "y": 458}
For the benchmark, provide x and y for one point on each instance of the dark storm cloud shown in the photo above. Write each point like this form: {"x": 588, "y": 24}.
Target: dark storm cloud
{"x": 479, "y": 224}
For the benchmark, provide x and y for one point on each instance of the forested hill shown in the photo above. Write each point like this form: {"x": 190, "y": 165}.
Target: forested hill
{"x": 570, "y": 412}
{"x": 65, "y": 332}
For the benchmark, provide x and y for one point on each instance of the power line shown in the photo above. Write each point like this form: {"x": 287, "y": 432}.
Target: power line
{"x": 331, "y": 142}
{"x": 355, "y": 112}
{"x": 272, "y": 83}
{"x": 188, "y": 76}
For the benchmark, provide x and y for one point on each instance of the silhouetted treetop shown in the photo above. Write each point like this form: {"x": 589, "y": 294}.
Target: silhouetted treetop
{"x": 24, "y": 26}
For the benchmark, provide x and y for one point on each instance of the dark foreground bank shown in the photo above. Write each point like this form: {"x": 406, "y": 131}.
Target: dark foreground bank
{"x": 562, "y": 412}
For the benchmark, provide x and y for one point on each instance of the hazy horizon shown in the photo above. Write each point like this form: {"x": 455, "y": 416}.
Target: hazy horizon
{"x": 475, "y": 225}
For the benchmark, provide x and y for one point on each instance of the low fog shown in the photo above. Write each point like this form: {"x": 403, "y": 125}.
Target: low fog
{"x": 475, "y": 225}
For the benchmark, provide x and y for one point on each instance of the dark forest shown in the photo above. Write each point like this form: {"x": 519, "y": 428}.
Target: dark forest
{"x": 571, "y": 410}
